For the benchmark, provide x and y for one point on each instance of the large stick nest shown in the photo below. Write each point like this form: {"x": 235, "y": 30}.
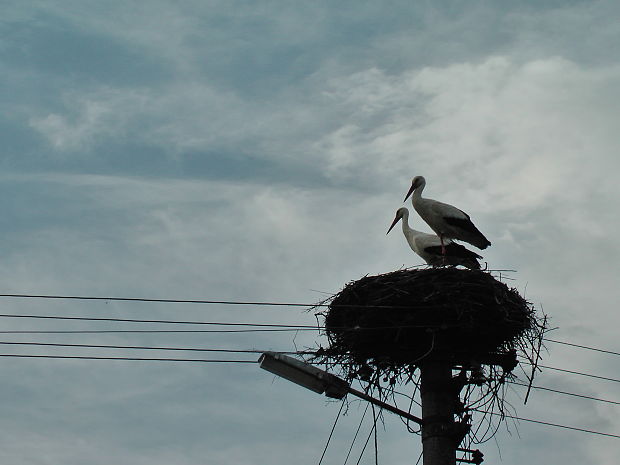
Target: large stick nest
{"x": 401, "y": 318}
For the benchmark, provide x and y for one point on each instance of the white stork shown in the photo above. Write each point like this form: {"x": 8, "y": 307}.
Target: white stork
{"x": 447, "y": 221}
{"x": 429, "y": 246}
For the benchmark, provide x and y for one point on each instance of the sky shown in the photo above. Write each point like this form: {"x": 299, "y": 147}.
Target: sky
{"x": 257, "y": 151}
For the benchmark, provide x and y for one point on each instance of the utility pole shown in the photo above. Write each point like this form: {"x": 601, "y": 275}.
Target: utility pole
{"x": 438, "y": 402}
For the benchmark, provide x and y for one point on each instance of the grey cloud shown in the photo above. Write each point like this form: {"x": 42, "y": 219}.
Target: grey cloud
{"x": 141, "y": 180}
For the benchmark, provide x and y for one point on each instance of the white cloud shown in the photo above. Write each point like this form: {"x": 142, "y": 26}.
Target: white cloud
{"x": 89, "y": 119}
{"x": 521, "y": 133}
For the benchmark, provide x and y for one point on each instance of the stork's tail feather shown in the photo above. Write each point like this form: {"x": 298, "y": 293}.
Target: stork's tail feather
{"x": 468, "y": 232}
{"x": 482, "y": 242}
{"x": 456, "y": 254}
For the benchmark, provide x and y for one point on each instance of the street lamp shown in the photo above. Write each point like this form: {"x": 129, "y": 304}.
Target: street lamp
{"x": 320, "y": 381}
{"x": 303, "y": 374}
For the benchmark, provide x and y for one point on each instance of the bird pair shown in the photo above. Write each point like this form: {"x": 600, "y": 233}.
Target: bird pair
{"x": 448, "y": 222}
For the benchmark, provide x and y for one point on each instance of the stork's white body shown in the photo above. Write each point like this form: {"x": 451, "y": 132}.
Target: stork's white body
{"x": 429, "y": 247}
{"x": 446, "y": 220}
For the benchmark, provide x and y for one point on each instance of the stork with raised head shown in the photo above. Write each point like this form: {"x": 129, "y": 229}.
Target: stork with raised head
{"x": 446, "y": 220}
{"x": 429, "y": 247}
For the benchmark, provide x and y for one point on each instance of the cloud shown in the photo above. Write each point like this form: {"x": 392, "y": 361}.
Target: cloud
{"x": 90, "y": 119}
{"x": 506, "y": 127}
{"x": 225, "y": 150}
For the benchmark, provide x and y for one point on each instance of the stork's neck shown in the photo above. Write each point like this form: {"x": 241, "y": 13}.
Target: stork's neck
{"x": 417, "y": 193}
{"x": 408, "y": 230}
{"x": 405, "y": 221}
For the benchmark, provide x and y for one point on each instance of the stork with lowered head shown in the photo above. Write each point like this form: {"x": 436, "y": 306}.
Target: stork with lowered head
{"x": 430, "y": 247}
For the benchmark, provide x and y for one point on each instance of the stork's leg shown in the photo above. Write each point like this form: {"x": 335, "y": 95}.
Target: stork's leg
{"x": 443, "y": 251}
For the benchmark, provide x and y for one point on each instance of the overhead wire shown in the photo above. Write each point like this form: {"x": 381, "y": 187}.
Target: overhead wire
{"x": 193, "y": 301}
{"x": 605, "y": 378}
{"x": 178, "y": 322}
{"x": 580, "y": 346}
{"x": 290, "y": 327}
{"x": 263, "y": 328}
{"x": 556, "y": 425}
{"x": 154, "y": 331}
{"x": 89, "y": 357}
{"x": 188, "y": 349}
{"x": 254, "y": 327}
{"x": 226, "y": 302}
{"x": 367, "y": 441}
{"x": 169, "y": 301}
{"x": 557, "y": 391}
{"x": 249, "y": 351}
{"x": 331, "y": 433}
{"x": 374, "y": 416}
{"x": 215, "y": 331}
{"x": 563, "y": 370}
{"x": 356, "y": 433}
{"x": 238, "y": 361}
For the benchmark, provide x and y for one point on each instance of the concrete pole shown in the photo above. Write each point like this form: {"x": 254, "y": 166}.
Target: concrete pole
{"x": 438, "y": 430}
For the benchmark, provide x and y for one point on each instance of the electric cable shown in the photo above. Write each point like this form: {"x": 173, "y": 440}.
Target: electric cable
{"x": 556, "y": 425}
{"x": 231, "y": 302}
{"x": 366, "y": 443}
{"x": 331, "y": 432}
{"x": 154, "y": 331}
{"x": 177, "y": 322}
{"x": 356, "y": 433}
{"x": 290, "y": 327}
{"x": 188, "y": 349}
{"x": 611, "y": 352}
{"x": 253, "y": 351}
{"x": 563, "y": 370}
{"x": 85, "y": 357}
{"x": 583, "y": 396}
{"x": 168, "y": 301}
{"x": 192, "y": 301}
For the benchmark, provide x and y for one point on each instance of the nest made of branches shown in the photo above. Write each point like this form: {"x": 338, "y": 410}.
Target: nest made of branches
{"x": 401, "y": 318}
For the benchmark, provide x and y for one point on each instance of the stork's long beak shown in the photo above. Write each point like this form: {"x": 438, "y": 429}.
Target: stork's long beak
{"x": 411, "y": 189}
{"x": 393, "y": 224}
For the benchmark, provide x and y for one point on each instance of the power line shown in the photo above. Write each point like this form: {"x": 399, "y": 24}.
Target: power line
{"x": 605, "y": 378}
{"x": 286, "y": 327}
{"x": 565, "y": 393}
{"x": 205, "y": 301}
{"x": 356, "y": 433}
{"x": 374, "y": 425}
{"x": 188, "y": 349}
{"x": 331, "y": 433}
{"x": 231, "y": 302}
{"x": 583, "y": 347}
{"x": 170, "y": 301}
{"x": 217, "y": 323}
{"x": 556, "y": 425}
{"x": 134, "y": 320}
{"x": 252, "y": 351}
{"x": 234, "y": 302}
{"x": 226, "y": 302}
{"x": 563, "y": 370}
{"x": 248, "y": 351}
{"x": 259, "y": 325}
{"x": 80, "y": 357}
{"x": 137, "y": 331}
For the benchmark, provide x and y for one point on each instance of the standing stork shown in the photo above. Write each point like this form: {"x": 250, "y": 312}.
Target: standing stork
{"x": 430, "y": 248}
{"x": 446, "y": 220}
